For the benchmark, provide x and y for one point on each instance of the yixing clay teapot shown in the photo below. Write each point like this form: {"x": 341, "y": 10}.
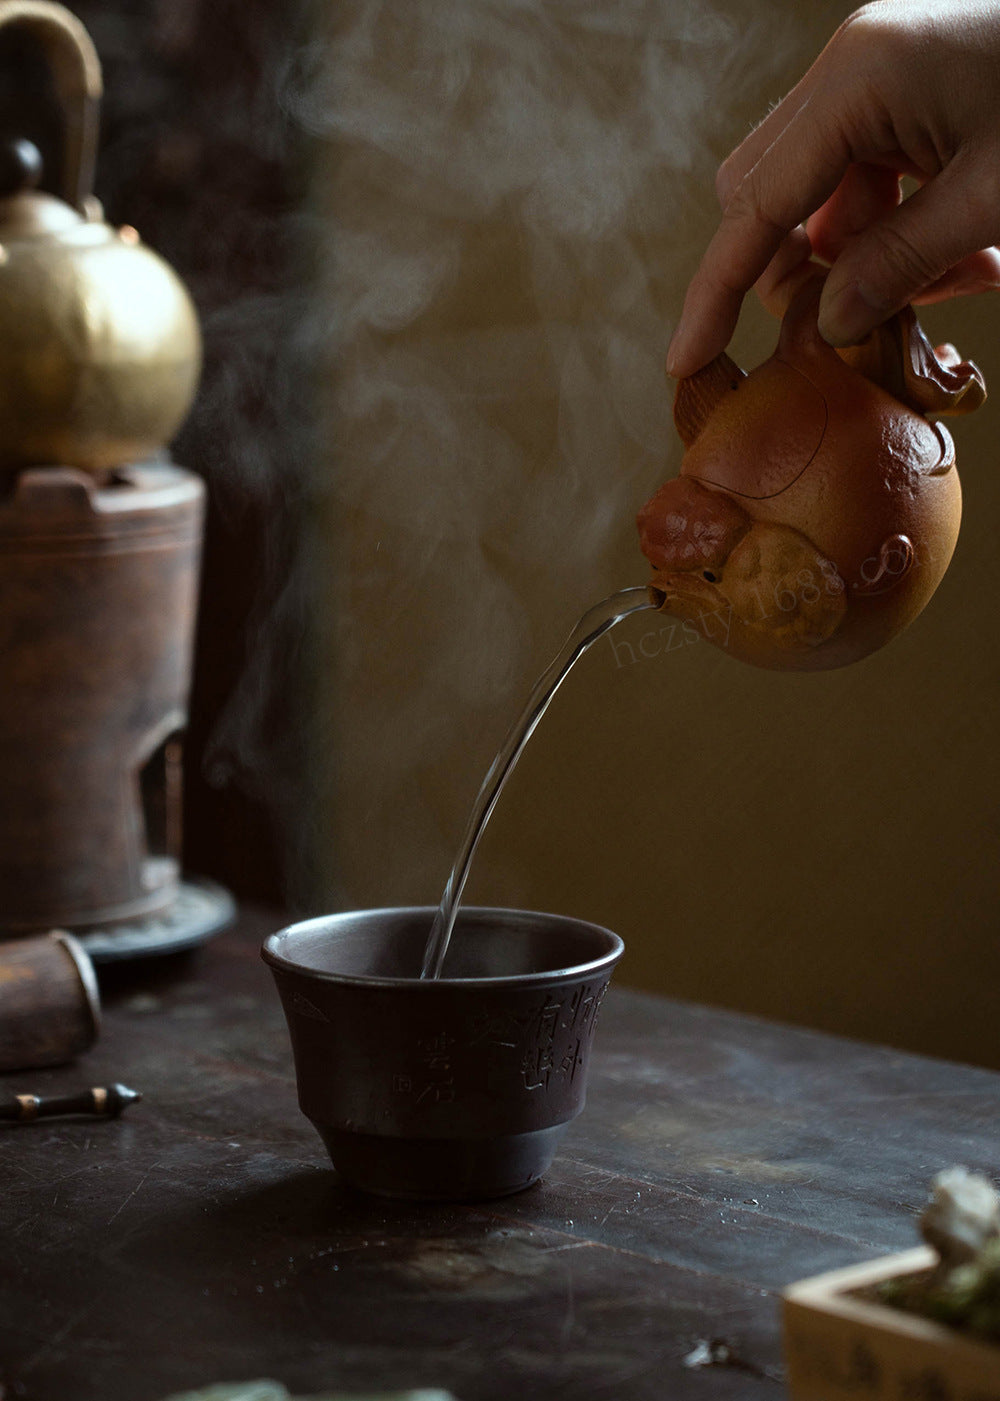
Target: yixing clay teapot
{"x": 817, "y": 505}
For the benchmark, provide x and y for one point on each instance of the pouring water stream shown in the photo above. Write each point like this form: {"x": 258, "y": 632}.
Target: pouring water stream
{"x": 594, "y": 623}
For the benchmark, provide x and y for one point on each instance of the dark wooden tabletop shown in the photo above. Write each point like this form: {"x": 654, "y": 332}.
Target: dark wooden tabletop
{"x": 202, "y": 1237}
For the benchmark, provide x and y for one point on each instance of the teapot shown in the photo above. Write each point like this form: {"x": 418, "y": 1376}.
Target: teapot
{"x": 100, "y": 349}
{"x": 817, "y": 505}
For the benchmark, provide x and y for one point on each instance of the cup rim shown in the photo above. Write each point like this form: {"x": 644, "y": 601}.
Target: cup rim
{"x": 271, "y": 954}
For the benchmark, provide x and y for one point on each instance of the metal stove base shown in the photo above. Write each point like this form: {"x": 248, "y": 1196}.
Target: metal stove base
{"x": 200, "y": 910}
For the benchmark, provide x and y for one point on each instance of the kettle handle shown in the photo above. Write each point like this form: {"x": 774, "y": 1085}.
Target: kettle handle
{"x": 76, "y": 75}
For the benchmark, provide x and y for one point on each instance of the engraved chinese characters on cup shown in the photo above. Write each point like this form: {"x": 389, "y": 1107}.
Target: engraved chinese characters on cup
{"x": 547, "y": 1042}
{"x": 432, "y": 1080}
{"x": 558, "y": 1035}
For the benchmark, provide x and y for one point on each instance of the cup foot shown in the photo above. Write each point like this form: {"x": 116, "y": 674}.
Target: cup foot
{"x": 441, "y": 1169}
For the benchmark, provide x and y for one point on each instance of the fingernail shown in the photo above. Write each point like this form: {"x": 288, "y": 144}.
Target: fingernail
{"x": 675, "y": 350}
{"x": 847, "y": 315}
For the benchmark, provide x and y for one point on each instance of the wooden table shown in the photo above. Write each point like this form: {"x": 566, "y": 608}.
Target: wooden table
{"x": 202, "y": 1237}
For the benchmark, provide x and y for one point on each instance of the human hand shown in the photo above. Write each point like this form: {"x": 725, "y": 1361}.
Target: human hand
{"x": 902, "y": 88}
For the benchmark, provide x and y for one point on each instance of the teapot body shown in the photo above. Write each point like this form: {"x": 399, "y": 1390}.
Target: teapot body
{"x": 100, "y": 349}
{"x": 817, "y": 506}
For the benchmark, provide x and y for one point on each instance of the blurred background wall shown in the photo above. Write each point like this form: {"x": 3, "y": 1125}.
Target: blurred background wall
{"x": 439, "y": 247}
{"x": 201, "y": 151}
{"x": 517, "y": 194}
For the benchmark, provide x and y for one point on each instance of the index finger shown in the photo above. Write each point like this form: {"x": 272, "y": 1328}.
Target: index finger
{"x": 795, "y": 175}
{"x": 742, "y": 160}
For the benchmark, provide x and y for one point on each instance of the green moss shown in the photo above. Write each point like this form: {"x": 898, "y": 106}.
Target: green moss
{"x": 966, "y": 1297}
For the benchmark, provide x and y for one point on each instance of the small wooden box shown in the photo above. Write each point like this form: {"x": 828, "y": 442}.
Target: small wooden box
{"x": 843, "y": 1347}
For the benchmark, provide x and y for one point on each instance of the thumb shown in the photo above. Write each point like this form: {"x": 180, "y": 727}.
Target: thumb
{"x": 898, "y": 256}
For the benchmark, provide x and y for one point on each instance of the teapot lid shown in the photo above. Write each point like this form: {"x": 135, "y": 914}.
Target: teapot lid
{"x": 26, "y": 211}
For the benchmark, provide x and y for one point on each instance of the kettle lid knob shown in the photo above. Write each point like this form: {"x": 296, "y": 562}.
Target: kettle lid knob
{"x": 26, "y": 211}
{"x": 20, "y": 166}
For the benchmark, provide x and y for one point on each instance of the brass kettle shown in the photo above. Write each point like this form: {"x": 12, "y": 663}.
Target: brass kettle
{"x": 99, "y": 343}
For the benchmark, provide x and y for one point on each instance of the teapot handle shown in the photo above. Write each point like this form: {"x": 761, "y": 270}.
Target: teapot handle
{"x": 76, "y": 76}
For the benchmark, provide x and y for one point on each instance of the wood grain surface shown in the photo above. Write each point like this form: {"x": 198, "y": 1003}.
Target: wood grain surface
{"x": 202, "y": 1237}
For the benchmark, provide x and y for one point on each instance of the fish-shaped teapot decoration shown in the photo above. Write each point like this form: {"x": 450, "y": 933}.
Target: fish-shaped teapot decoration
{"x": 817, "y": 505}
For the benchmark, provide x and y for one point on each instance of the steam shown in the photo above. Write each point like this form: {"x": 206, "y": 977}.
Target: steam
{"x": 509, "y": 191}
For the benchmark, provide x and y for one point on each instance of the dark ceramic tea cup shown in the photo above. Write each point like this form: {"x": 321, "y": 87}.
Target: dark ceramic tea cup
{"x": 442, "y": 1089}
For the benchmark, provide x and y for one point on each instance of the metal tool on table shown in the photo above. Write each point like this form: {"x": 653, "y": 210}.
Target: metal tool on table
{"x": 99, "y": 1102}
